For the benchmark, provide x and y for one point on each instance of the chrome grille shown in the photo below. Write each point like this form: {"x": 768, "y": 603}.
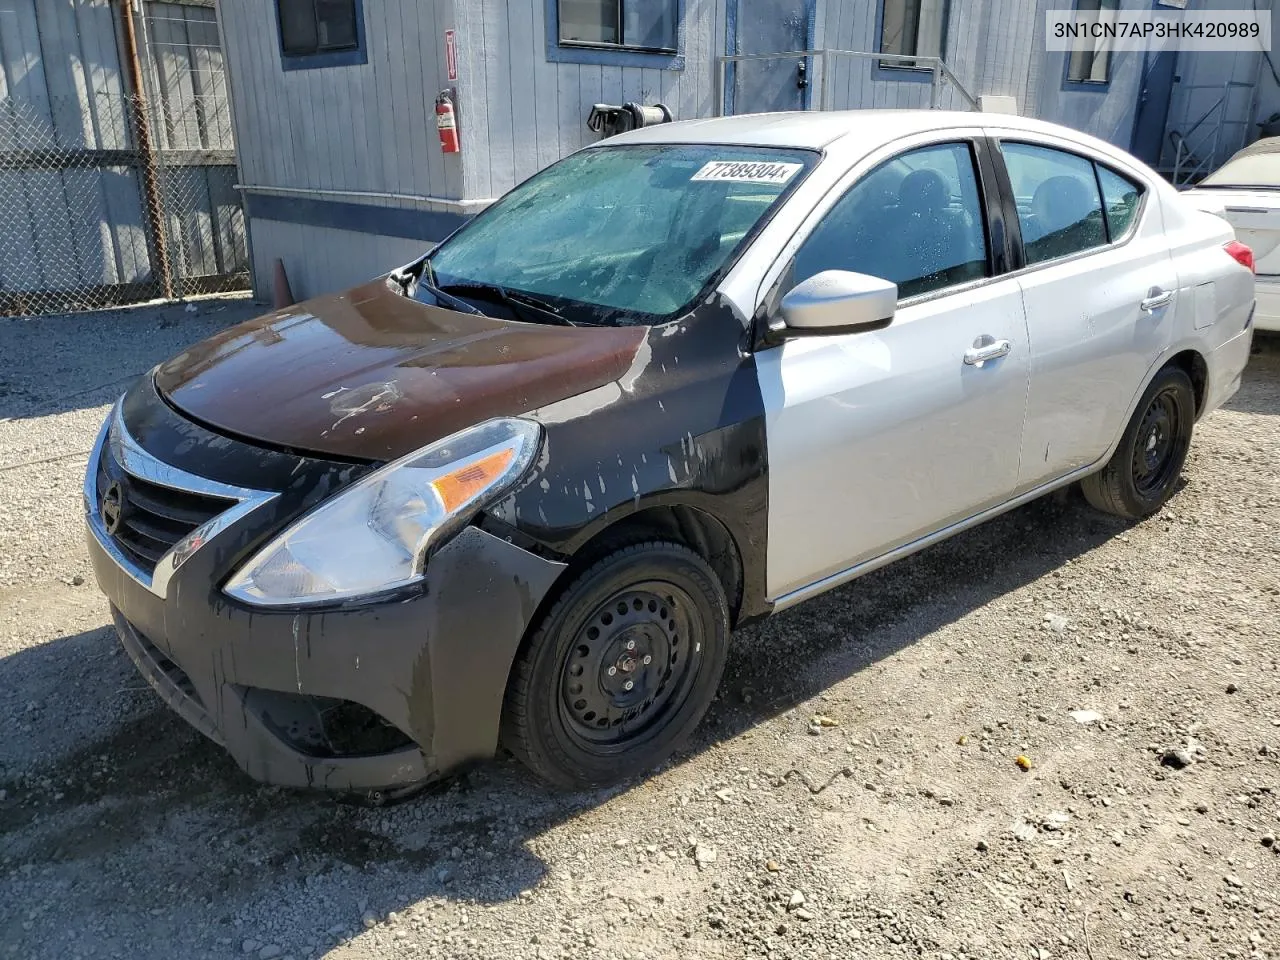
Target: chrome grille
{"x": 152, "y": 518}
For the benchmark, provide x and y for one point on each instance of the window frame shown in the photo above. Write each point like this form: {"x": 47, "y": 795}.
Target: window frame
{"x": 345, "y": 57}
{"x": 886, "y": 70}
{"x": 1011, "y": 202}
{"x": 613, "y": 54}
{"x": 1091, "y": 86}
{"x": 990, "y": 202}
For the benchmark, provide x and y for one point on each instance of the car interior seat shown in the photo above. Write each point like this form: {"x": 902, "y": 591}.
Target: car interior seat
{"x": 1065, "y": 217}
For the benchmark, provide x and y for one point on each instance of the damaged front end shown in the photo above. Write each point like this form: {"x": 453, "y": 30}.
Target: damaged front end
{"x": 339, "y": 693}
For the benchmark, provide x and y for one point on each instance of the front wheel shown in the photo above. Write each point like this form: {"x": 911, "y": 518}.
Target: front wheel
{"x": 1144, "y": 471}
{"x": 620, "y": 669}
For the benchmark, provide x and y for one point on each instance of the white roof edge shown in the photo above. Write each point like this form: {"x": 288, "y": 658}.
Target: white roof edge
{"x": 818, "y": 129}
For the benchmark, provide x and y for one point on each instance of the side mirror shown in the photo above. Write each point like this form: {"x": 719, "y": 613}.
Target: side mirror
{"x": 837, "y": 301}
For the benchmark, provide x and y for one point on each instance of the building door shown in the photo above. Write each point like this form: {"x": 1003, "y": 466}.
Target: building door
{"x": 768, "y": 26}
{"x": 1153, "y": 106}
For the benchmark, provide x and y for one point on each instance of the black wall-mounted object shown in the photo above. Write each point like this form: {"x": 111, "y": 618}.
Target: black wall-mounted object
{"x": 607, "y": 119}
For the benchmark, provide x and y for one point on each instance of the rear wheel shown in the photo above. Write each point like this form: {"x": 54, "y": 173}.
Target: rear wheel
{"x": 1144, "y": 471}
{"x": 620, "y": 669}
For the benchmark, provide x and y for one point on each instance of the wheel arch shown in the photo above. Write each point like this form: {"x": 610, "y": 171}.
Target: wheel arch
{"x": 1185, "y": 356}
{"x": 1193, "y": 363}
{"x": 678, "y": 520}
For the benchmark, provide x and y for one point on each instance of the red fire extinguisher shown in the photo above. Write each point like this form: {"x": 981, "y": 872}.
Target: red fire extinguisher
{"x": 447, "y": 124}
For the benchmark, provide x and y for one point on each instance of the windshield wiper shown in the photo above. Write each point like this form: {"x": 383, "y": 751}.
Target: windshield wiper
{"x": 424, "y": 276}
{"x": 519, "y": 303}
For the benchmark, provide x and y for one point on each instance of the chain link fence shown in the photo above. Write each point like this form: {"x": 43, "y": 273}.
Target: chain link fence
{"x": 109, "y": 199}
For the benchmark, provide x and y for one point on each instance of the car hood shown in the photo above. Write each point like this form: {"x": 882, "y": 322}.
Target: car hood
{"x": 373, "y": 375}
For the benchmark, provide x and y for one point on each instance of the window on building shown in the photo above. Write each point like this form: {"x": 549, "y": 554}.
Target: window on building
{"x": 913, "y": 28}
{"x": 636, "y": 24}
{"x": 1093, "y": 65}
{"x": 915, "y": 220}
{"x": 1059, "y": 208}
{"x": 310, "y": 27}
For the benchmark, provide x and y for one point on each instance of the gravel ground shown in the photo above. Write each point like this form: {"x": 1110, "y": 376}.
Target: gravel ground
{"x": 905, "y": 828}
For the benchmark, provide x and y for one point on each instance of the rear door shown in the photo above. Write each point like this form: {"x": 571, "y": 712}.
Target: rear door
{"x": 1098, "y": 286}
{"x": 877, "y": 439}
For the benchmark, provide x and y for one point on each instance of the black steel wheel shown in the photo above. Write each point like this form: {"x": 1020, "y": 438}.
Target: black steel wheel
{"x": 1143, "y": 473}
{"x": 620, "y": 669}
{"x": 1155, "y": 453}
{"x": 634, "y": 659}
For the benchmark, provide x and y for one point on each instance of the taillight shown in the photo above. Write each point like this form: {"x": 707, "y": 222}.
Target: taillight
{"x": 1241, "y": 254}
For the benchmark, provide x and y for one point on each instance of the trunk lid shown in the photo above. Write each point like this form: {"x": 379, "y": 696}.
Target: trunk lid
{"x": 1255, "y": 217}
{"x": 372, "y": 375}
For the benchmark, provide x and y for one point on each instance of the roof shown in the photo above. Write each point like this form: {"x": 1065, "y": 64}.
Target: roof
{"x": 817, "y": 129}
{"x": 1265, "y": 145}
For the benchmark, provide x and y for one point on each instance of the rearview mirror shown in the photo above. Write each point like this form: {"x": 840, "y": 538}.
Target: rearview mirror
{"x": 838, "y": 301}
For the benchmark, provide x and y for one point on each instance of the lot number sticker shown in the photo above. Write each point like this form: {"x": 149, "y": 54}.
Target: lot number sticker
{"x": 744, "y": 171}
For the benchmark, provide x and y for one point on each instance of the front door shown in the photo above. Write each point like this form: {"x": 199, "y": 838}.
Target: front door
{"x": 877, "y": 439}
{"x": 777, "y": 83}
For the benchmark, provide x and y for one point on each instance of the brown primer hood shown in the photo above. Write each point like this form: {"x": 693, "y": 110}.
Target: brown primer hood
{"x": 372, "y": 375}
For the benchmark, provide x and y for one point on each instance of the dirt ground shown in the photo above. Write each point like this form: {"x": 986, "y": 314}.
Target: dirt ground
{"x": 907, "y": 829}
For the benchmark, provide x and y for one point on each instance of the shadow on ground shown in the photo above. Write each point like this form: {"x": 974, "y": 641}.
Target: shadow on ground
{"x": 152, "y": 786}
{"x": 1261, "y": 392}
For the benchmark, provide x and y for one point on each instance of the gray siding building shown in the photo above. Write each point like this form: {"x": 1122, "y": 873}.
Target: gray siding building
{"x": 342, "y": 171}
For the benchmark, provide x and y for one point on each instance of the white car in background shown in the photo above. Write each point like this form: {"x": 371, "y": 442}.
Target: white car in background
{"x": 1245, "y": 191}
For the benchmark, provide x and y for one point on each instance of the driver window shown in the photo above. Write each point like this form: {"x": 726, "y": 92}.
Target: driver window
{"x": 916, "y": 220}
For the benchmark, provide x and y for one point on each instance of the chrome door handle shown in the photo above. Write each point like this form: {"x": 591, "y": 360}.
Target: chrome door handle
{"x": 1155, "y": 299}
{"x": 988, "y": 351}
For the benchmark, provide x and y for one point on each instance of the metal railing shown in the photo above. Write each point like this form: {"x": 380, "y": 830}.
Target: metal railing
{"x": 941, "y": 76}
{"x": 1198, "y": 150}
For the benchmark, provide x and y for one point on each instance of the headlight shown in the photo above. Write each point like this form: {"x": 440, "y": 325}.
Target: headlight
{"x": 375, "y": 535}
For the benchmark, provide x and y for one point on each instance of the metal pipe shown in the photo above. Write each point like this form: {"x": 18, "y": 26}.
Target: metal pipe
{"x": 955, "y": 82}
{"x": 467, "y": 206}
{"x": 825, "y": 97}
{"x": 142, "y": 133}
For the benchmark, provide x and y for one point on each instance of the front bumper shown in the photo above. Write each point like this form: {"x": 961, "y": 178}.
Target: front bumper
{"x": 423, "y": 673}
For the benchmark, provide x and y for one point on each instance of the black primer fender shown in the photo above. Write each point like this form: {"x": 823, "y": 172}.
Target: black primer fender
{"x": 683, "y": 427}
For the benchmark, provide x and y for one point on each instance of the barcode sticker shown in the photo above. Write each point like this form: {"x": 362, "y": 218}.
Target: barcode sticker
{"x": 747, "y": 171}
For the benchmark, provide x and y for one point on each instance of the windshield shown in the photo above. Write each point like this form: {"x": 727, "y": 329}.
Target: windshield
{"x": 622, "y": 235}
{"x": 1257, "y": 171}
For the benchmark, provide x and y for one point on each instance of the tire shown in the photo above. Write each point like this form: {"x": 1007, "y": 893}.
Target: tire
{"x": 574, "y": 723}
{"x": 1143, "y": 473}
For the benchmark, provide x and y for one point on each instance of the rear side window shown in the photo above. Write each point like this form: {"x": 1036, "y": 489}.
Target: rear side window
{"x": 915, "y": 220}
{"x": 1121, "y": 199}
{"x": 1059, "y": 208}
